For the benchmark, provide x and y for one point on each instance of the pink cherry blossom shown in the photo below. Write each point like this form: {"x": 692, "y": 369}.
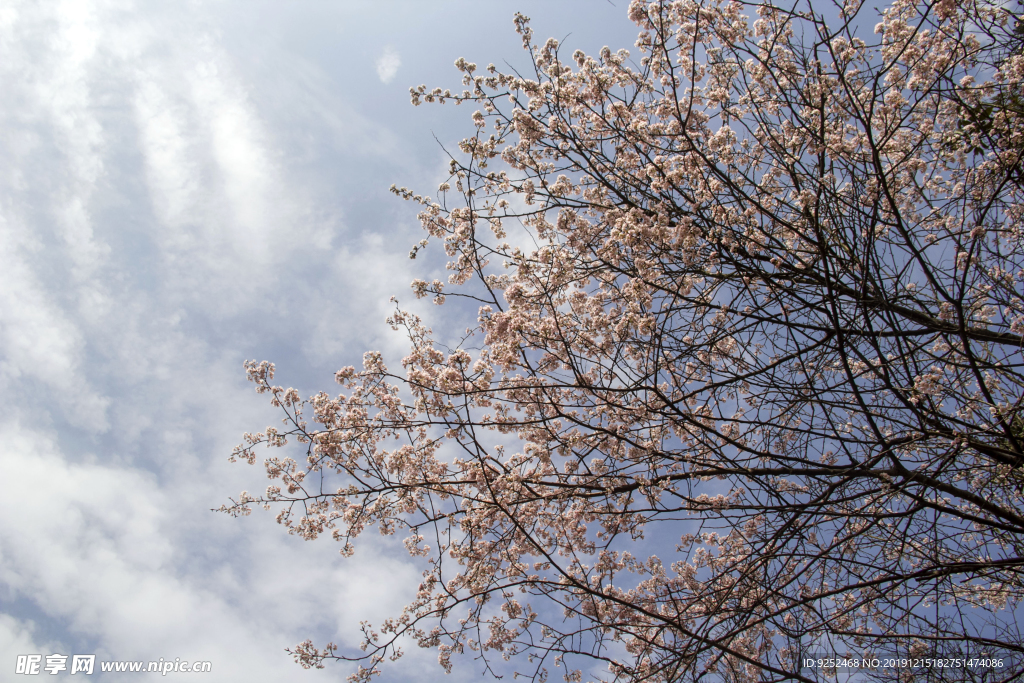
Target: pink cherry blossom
{"x": 755, "y": 387}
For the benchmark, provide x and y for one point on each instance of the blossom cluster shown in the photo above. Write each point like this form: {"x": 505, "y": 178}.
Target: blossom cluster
{"x": 756, "y": 290}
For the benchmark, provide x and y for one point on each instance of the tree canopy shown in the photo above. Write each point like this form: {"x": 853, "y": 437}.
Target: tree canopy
{"x": 745, "y": 385}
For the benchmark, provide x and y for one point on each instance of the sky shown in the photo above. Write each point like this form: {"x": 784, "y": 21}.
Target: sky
{"x": 185, "y": 186}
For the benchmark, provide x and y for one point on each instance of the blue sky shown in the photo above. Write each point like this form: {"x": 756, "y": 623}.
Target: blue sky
{"x": 184, "y": 186}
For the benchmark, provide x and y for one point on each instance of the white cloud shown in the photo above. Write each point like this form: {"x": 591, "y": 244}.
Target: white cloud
{"x": 38, "y": 340}
{"x": 174, "y": 179}
{"x": 95, "y": 549}
{"x": 173, "y": 203}
{"x": 19, "y": 637}
{"x": 387, "y": 65}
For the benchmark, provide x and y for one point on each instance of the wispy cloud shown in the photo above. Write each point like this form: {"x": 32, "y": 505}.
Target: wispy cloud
{"x": 175, "y": 198}
{"x": 387, "y": 65}
{"x": 149, "y": 203}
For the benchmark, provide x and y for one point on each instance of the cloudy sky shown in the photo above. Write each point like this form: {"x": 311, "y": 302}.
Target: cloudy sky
{"x": 185, "y": 185}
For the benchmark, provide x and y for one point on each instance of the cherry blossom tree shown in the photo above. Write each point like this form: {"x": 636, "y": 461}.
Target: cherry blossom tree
{"x": 745, "y": 382}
